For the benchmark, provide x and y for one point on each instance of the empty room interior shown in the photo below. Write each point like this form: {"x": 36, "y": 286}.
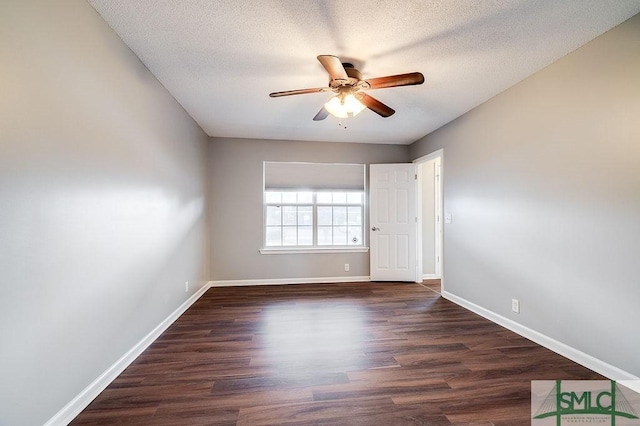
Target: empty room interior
{"x": 315, "y": 212}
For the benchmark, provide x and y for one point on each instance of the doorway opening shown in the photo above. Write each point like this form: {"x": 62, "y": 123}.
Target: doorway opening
{"x": 430, "y": 220}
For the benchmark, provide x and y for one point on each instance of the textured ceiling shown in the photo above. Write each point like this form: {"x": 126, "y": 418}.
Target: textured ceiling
{"x": 220, "y": 59}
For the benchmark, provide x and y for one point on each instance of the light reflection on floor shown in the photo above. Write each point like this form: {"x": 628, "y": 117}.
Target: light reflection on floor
{"x": 314, "y": 336}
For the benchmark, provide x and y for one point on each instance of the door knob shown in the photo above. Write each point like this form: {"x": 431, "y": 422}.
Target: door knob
{"x": 373, "y": 228}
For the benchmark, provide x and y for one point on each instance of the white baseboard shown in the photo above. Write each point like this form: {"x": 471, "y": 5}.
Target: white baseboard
{"x": 278, "y": 281}
{"x": 84, "y": 398}
{"x": 430, "y": 276}
{"x": 592, "y": 363}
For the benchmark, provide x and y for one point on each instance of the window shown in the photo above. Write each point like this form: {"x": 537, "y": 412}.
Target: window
{"x": 327, "y": 213}
{"x": 289, "y": 218}
{"x": 306, "y": 218}
{"x": 339, "y": 218}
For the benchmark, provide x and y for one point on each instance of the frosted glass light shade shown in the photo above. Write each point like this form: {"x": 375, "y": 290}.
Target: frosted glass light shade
{"x": 344, "y": 106}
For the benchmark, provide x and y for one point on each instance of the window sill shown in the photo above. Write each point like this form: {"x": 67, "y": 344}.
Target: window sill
{"x": 314, "y": 250}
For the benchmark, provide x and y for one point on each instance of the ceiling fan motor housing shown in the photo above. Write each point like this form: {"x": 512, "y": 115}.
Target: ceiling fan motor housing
{"x": 354, "y": 75}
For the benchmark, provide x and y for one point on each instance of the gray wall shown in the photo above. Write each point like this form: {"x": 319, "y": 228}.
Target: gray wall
{"x": 236, "y": 212}
{"x": 543, "y": 184}
{"x": 102, "y": 211}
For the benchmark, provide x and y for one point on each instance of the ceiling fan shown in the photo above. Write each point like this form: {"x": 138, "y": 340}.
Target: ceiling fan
{"x": 347, "y": 83}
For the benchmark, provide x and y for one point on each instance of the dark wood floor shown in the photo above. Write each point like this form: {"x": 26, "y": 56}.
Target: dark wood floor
{"x": 330, "y": 354}
{"x": 433, "y": 284}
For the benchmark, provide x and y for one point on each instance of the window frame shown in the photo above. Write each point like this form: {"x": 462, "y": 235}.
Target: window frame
{"x": 315, "y": 248}
{"x": 346, "y": 205}
{"x": 282, "y": 225}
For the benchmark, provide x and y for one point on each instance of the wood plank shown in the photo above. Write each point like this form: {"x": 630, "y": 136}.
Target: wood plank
{"x": 330, "y": 354}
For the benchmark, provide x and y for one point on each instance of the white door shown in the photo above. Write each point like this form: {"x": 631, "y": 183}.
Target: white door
{"x": 392, "y": 221}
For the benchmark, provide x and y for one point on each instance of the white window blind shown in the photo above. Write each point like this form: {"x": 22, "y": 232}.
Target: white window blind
{"x": 315, "y": 176}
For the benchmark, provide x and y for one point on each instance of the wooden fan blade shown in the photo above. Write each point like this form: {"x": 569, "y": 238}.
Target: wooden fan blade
{"x": 334, "y": 67}
{"x": 321, "y": 115}
{"x": 396, "y": 80}
{"x": 375, "y": 105}
{"x": 299, "y": 92}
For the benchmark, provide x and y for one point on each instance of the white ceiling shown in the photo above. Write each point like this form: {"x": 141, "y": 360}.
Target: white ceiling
{"x": 221, "y": 58}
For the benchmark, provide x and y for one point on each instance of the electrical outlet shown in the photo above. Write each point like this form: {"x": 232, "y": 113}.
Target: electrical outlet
{"x": 346, "y": 267}
{"x": 186, "y": 286}
{"x": 515, "y": 305}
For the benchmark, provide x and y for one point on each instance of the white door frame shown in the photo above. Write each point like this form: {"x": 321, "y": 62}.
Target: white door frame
{"x": 439, "y": 212}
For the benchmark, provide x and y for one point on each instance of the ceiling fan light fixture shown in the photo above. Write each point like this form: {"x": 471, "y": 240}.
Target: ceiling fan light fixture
{"x": 347, "y": 83}
{"x": 344, "y": 105}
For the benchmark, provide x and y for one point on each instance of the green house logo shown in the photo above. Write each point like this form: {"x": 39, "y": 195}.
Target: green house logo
{"x": 584, "y": 404}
